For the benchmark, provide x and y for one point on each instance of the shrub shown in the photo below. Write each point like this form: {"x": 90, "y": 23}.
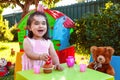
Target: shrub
{"x": 14, "y": 31}
{"x": 101, "y": 29}
{"x": 5, "y": 33}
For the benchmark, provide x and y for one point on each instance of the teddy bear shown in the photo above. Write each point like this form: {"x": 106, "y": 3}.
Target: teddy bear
{"x": 101, "y": 59}
{"x": 3, "y": 68}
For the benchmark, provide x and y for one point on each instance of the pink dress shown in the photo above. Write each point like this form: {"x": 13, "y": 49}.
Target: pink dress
{"x": 39, "y": 46}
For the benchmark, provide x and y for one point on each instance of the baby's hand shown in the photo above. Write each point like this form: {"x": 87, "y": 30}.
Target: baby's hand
{"x": 59, "y": 67}
{"x": 44, "y": 57}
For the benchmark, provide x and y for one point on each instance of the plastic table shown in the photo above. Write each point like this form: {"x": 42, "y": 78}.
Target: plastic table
{"x": 67, "y": 74}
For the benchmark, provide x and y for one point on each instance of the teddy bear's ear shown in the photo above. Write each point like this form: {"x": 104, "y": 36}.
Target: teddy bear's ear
{"x": 93, "y": 48}
{"x": 111, "y": 50}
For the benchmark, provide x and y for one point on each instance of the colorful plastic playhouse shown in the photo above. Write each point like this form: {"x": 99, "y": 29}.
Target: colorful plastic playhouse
{"x": 60, "y": 28}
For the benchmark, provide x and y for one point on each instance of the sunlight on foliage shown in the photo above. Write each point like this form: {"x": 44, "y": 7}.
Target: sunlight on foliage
{"x": 82, "y": 58}
{"x": 5, "y": 33}
{"x": 108, "y": 5}
{"x": 6, "y": 53}
{"x": 8, "y": 35}
{"x": 14, "y": 31}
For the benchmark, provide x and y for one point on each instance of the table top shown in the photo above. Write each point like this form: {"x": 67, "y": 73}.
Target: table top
{"x": 67, "y": 74}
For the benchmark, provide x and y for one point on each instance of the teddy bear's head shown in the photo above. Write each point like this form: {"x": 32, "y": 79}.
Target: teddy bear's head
{"x": 102, "y": 54}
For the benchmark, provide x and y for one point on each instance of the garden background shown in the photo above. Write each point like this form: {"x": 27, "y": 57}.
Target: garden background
{"x": 97, "y": 23}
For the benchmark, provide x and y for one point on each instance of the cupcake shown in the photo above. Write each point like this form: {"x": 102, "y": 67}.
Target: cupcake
{"x": 47, "y": 67}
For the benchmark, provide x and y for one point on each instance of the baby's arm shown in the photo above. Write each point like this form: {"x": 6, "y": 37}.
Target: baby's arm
{"x": 54, "y": 57}
{"x": 29, "y": 51}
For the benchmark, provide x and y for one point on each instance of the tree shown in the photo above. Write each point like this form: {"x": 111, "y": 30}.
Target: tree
{"x": 50, "y": 3}
{"x": 1, "y": 10}
{"x": 25, "y": 4}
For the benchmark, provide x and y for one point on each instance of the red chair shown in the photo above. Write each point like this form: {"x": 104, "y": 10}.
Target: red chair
{"x": 63, "y": 54}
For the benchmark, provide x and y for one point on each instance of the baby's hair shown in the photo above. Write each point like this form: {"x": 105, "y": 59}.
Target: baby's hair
{"x": 29, "y": 21}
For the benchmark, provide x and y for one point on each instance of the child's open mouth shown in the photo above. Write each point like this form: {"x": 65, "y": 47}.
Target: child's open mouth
{"x": 40, "y": 31}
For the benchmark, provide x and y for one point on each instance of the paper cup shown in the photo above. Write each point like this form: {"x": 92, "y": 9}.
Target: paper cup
{"x": 36, "y": 69}
{"x": 83, "y": 67}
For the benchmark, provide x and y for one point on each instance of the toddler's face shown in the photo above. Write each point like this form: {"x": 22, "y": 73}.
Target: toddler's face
{"x": 38, "y": 26}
